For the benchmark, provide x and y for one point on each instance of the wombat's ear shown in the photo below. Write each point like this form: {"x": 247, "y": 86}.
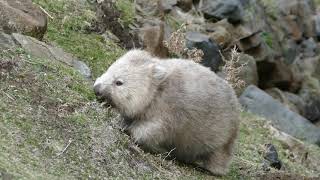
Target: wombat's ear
{"x": 159, "y": 72}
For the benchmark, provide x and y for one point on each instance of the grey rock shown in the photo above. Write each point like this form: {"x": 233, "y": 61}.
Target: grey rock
{"x": 290, "y": 51}
{"x": 297, "y": 17}
{"x": 211, "y": 57}
{"x": 292, "y": 101}
{"x": 6, "y": 41}
{"x": 309, "y": 47}
{"x": 221, "y": 9}
{"x": 22, "y": 16}
{"x": 258, "y": 102}
{"x": 317, "y": 25}
{"x": 167, "y": 5}
{"x": 271, "y": 157}
{"x": 249, "y": 42}
{"x": 41, "y": 50}
{"x": 276, "y": 73}
{"x": 185, "y": 5}
{"x": 248, "y": 73}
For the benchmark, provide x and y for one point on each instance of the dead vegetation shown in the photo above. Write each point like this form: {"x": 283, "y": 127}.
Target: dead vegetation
{"x": 177, "y": 46}
{"x": 232, "y": 69}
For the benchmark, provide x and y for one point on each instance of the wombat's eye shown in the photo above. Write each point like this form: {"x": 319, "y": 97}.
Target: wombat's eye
{"x": 118, "y": 83}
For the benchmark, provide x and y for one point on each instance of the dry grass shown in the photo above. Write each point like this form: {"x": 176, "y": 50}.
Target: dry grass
{"x": 177, "y": 46}
{"x": 231, "y": 69}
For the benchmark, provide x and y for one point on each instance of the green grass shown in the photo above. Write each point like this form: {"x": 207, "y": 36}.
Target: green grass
{"x": 126, "y": 7}
{"x": 67, "y": 29}
{"x": 267, "y": 38}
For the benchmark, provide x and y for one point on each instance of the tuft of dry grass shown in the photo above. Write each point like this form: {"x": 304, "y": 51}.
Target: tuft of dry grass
{"x": 177, "y": 46}
{"x": 232, "y": 69}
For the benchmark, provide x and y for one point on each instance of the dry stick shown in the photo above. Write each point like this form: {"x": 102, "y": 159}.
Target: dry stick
{"x": 43, "y": 10}
{"x": 10, "y": 97}
{"x": 59, "y": 154}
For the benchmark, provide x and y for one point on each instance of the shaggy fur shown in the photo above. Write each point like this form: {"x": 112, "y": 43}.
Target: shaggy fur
{"x": 174, "y": 105}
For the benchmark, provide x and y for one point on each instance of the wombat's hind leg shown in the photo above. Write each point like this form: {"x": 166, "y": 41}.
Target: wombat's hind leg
{"x": 218, "y": 162}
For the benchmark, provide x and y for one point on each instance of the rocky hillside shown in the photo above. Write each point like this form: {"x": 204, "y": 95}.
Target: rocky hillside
{"x": 51, "y": 127}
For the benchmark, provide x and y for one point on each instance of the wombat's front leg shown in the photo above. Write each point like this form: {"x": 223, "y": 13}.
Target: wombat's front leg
{"x": 150, "y": 135}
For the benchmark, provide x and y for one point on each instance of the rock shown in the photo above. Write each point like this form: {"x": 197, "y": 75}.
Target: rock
{"x": 309, "y": 47}
{"x": 290, "y": 50}
{"x": 147, "y": 8}
{"x": 221, "y": 9}
{"x": 212, "y": 57}
{"x": 167, "y": 5}
{"x": 190, "y": 18}
{"x": 6, "y": 41}
{"x": 22, "y": 16}
{"x": 271, "y": 157}
{"x": 41, "y": 50}
{"x": 258, "y": 102}
{"x": 221, "y": 36}
{"x": 306, "y": 66}
{"x": 317, "y": 25}
{"x": 278, "y": 74}
{"x": 248, "y": 73}
{"x": 292, "y": 27}
{"x": 152, "y": 37}
{"x": 295, "y": 148}
{"x": 185, "y": 5}
{"x": 109, "y": 36}
{"x": 313, "y": 111}
{"x": 292, "y": 101}
{"x": 297, "y": 16}
{"x": 249, "y": 42}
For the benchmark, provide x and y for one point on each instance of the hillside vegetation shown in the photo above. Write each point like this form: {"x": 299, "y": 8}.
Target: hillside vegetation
{"x": 51, "y": 127}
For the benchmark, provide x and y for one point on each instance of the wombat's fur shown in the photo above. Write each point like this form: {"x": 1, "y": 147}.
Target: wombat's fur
{"x": 174, "y": 105}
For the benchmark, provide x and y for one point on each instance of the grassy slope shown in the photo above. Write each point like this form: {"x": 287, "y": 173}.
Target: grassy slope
{"x": 50, "y": 126}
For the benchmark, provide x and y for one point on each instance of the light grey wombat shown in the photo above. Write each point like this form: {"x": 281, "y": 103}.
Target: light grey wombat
{"x": 175, "y": 106}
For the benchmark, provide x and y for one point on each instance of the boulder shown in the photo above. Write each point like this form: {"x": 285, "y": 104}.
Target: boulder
{"x": 248, "y": 73}
{"x": 258, "y": 102}
{"x": 278, "y": 74}
{"x": 309, "y": 47}
{"x": 6, "y": 41}
{"x": 292, "y": 101}
{"x": 223, "y": 9}
{"x": 220, "y": 35}
{"x": 249, "y": 42}
{"x": 290, "y": 50}
{"x": 185, "y": 5}
{"x": 317, "y": 25}
{"x": 297, "y": 16}
{"x": 167, "y": 5}
{"x": 41, "y": 50}
{"x": 22, "y": 16}
{"x": 212, "y": 57}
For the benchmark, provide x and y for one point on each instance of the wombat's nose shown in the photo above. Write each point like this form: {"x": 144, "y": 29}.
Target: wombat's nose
{"x": 97, "y": 90}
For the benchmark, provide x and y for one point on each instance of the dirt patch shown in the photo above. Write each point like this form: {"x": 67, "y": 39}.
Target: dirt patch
{"x": 107, "y": 18}
{"x": 7, "y": 65}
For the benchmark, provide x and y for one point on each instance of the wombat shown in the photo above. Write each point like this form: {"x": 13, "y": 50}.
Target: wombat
{"x": 173, "y": 105}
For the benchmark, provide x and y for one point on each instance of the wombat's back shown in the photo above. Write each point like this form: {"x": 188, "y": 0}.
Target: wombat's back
{"x": 204, "y": 107}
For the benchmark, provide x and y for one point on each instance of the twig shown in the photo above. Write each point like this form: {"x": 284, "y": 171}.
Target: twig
{"x": 43, "y": 10}
{"x": 59, "y": 154}
{"x": 10, "y": 97}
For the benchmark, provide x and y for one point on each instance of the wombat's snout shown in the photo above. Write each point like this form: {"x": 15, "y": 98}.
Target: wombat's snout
{"x": 97, "y": 90}
{"x": 101, "y": 95}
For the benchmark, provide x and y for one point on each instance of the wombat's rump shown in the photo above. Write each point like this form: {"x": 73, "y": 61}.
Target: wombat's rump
{"x": 174, "y": 105}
